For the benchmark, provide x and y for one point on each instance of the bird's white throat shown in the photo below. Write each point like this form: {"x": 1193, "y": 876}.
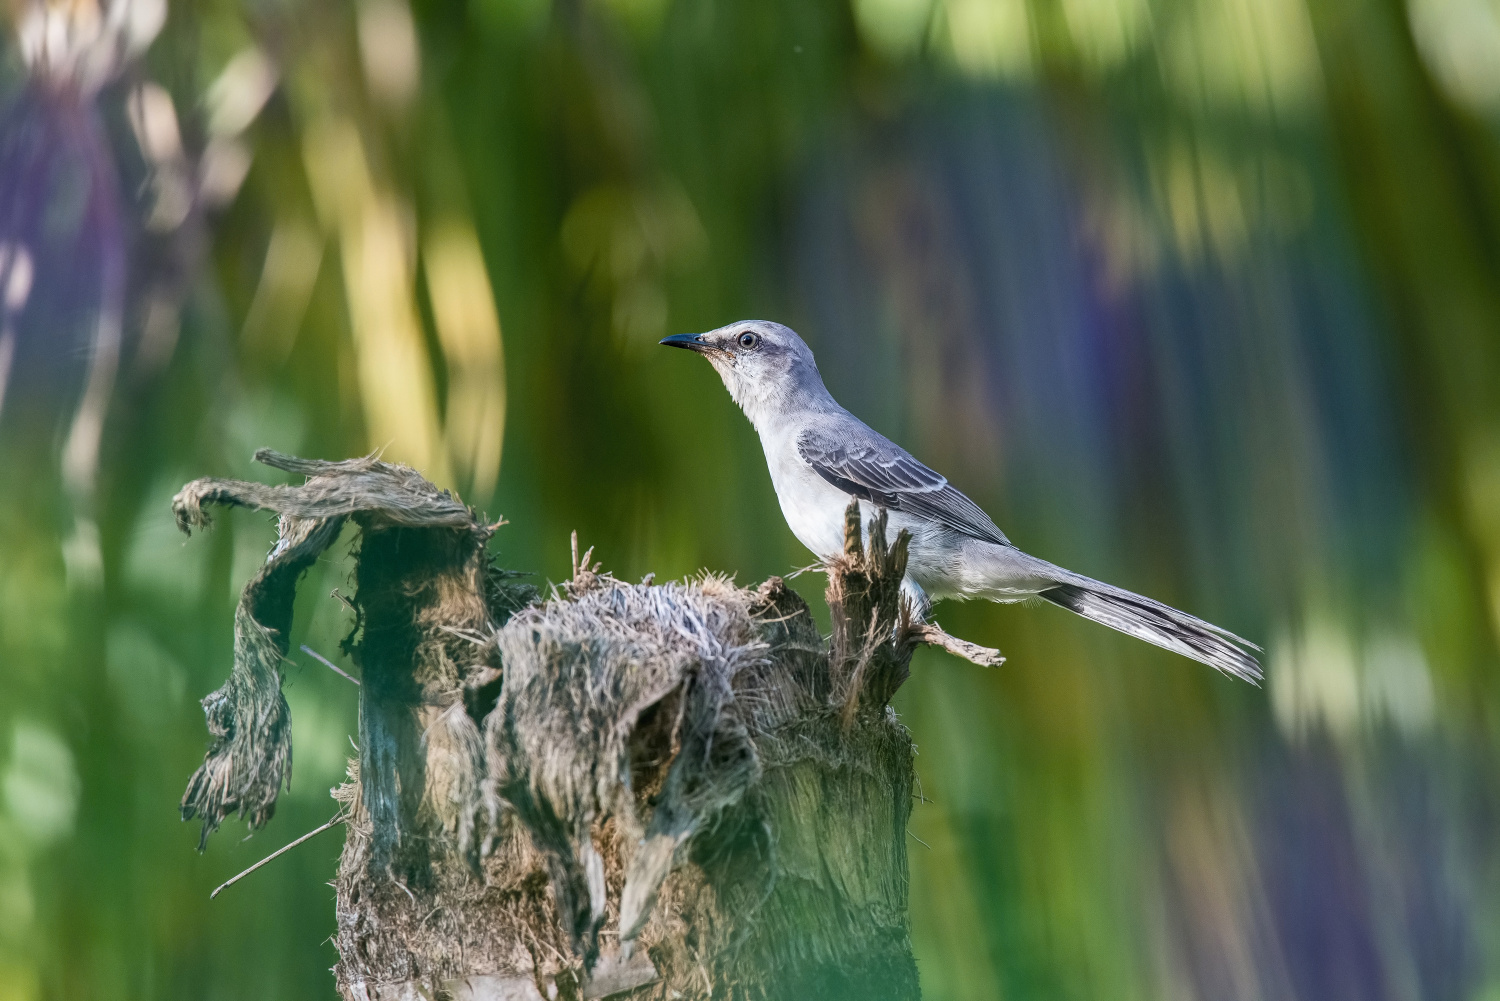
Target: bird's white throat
{"x": 763, "y": 400}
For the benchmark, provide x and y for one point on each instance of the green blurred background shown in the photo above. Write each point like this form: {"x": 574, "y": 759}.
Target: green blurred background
{"x": 1201, "y": 297}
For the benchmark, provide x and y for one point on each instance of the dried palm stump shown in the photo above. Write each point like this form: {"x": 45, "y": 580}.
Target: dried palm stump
{"x": 634, "y": 790}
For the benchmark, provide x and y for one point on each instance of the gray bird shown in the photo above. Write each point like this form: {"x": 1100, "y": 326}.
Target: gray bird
{"x": 821, "y": 456}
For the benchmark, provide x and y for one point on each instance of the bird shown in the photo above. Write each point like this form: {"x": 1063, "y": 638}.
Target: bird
{"x": 821, "y": 458}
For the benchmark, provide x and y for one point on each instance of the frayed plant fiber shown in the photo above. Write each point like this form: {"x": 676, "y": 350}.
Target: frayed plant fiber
{"x": 580, "y": 674}
{"x": 250, "y": 753}
{"x": 249, "y": 757}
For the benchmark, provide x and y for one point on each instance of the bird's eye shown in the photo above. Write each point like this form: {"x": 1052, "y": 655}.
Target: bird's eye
{"x": 748, "y": 340}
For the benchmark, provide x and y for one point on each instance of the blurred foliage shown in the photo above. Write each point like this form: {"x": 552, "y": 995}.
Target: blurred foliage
{"x": 1198, "y": 296}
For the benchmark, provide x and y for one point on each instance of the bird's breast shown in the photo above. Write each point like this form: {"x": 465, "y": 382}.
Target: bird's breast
{"x": 813, "y": 507}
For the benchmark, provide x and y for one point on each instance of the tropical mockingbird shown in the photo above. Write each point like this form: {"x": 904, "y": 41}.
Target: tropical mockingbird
{"x": 821, "y": 457}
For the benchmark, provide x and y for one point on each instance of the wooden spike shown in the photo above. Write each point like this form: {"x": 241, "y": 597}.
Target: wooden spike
{"x": 878, "y": 549}
{"x": 853, "y": 531}
{"x": 898, "y": 554}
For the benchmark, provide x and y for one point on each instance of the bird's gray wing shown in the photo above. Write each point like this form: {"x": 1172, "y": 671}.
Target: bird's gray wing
{"x": 863, "y": 464}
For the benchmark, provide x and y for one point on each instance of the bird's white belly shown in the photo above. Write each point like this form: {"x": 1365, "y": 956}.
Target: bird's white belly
{"x": 813, "y": 507}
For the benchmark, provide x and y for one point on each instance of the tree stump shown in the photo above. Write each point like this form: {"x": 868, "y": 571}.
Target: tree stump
{"x": 637, "y": 790}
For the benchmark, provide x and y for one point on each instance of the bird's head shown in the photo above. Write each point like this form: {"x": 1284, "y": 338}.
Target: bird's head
{"x": 763, "y": 364}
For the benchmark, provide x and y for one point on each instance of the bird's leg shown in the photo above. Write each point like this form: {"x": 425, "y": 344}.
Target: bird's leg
{"x": 915, "y": 623}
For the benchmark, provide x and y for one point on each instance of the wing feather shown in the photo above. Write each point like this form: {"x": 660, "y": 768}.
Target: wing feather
{"x": 865, "y": 465}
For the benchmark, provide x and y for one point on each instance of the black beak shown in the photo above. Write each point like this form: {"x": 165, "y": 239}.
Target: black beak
{"x": 693, "y": 342}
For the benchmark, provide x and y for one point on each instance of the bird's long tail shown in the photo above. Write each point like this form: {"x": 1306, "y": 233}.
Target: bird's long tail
{"x": 1145, "y": 619}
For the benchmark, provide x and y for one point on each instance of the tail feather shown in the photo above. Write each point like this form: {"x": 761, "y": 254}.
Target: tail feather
{"x": 1145, "y": 619}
